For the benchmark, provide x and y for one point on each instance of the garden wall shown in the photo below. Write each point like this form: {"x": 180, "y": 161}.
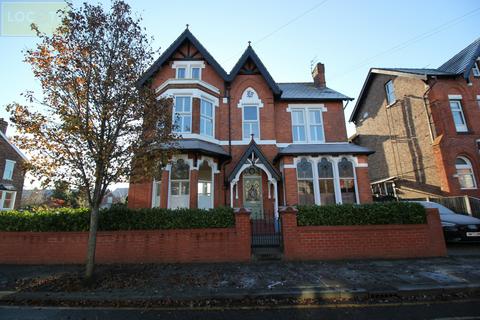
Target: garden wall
{"x": 177, "y": 245}
{"x": 362, "y": 241}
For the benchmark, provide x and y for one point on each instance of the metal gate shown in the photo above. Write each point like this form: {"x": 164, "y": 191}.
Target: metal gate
{"x": 266, "y": 232}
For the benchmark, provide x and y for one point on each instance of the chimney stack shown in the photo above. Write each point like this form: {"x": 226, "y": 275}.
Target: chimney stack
{"x": 3, "y": 126}
{"x": 318, "y": 74}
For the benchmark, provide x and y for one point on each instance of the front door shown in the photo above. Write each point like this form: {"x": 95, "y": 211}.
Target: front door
{"x": 252, "y": 194}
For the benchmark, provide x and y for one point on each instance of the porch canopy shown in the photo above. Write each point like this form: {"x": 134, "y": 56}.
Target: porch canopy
{"x": 254, "y": 157}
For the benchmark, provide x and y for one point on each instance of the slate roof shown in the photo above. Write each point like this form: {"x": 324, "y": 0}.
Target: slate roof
{"x": 463, "y": 61}
{"x": 459, "y": 64}
{"x": 186, "y": 35}
{"x": 253, "y": 147}
{"x": 250, "y": 53}
{"x": 324, "y": 148}
{"x": 308, "y": 91}
{"x": 201, "y": 146}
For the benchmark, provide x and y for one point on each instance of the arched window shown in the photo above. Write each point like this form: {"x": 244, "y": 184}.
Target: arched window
{"x": 326, "y": 182}
{"x": 180, "y": 184}
{"x": 306, "y": 195}
{"x": 347, "y": 181}
{"x": 466, "y": 178}
{"x": 205, "y": 186}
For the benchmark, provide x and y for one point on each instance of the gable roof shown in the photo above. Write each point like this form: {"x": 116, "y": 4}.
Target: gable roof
{"x": 253, "y": 148}
{"x": 459, "y": 64}
{"x": 250, "y": 54}
{"x": 463, "y": 61}
{"x": 308, "y": 91}
{"x": 14, "y": 147}
{"x": 185, "y": 36}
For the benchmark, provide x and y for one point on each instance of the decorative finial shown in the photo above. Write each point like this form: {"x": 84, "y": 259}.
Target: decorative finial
{"x": 252, "y": 134}
{"x": 249, "y": 43}
{"x": 187, "y": 25}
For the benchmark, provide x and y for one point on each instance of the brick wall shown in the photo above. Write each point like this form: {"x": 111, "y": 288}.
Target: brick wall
{"x": 362, "y": 242}
{"x": 156, "y": 246}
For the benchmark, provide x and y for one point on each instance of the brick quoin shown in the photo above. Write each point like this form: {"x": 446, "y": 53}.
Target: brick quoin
{"x": 139, "y": 246}
{"x": 362, "y": 242}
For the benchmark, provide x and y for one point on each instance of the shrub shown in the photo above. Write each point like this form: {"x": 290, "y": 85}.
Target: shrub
{"x": 365, "y": 214}
{"x": 116, "y": 218}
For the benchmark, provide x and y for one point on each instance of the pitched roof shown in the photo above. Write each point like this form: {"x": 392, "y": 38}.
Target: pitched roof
{"x": 463, "y": 61}
{"x": 201, "y": 146}
{"x": 308, "y": 91}
{"x": 460, "y": 64}
{"x": 324, "y": 148}
{"x": 253, "y": 148}
{"x": 20, "y": 153}
{"x": 250, "y": 54}
{"x": 186, "y": 35}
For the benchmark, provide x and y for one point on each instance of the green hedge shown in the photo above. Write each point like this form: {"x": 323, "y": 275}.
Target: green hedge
{"x": 365, "y": 214}
{"x": 116, "y": 219}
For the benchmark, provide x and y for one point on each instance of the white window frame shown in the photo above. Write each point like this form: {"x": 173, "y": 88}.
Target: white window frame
{"x": 250, "y": 122}
{"x": 308, "y": 124}
{"x": 459, "y": 127}
{"x": 476, "y": 69}
{"x": 156, "y": 188}
{"x": 2, "y": 200}
{"x": 212, "y": 183}
{"x": 189, "y": 66}
{"x": 9, "y": 164}
{"x": 304, "y": 125}
{"x": 183, "y": 113}
{"x": 181, "y": 181}
{"x": 336, "y": 176}
{"x": 207, "y": 118}
{"x": 312, "y": 179}
{"x": 390, "y": 92}
{"x": 465, "y": 166}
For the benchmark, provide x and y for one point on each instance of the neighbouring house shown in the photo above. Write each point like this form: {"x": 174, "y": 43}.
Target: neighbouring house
{"x": 36, "y": 197}
{"x": 117, "y": 196}
{"x": 12, "y": 173}
{"x": 249, "y": 141}
{"x": 424, "y": 125}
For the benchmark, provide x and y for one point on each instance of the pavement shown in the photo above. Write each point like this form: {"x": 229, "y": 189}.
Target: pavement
{"x": 260, "y": 283}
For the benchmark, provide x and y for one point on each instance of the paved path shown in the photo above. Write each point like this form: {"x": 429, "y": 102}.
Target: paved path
{"x": 457, "y": 310}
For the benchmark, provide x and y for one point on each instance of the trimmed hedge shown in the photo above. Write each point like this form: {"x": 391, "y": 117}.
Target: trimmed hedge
{"x": 116, "y": 219}
{"x": 365, "y": 214}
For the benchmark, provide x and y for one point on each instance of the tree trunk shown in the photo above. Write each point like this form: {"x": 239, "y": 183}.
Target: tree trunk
{"x": 92, "y": 242}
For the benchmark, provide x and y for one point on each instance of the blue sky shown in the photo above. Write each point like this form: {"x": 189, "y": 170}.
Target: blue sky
{"x": 349, "y": 36}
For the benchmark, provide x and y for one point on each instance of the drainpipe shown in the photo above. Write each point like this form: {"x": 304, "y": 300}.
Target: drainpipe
{"x": 224, "y": 165}
{"x": 426, "y": 105}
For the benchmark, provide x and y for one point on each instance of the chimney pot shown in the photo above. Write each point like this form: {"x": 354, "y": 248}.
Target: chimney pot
{"x": 318, "y": 74}
{"x": 3, "y": 126}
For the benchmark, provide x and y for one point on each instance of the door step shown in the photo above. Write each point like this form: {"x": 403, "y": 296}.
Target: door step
{"x": 267, "y": 254}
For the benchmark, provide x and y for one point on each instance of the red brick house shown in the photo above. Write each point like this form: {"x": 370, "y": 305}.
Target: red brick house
{"x": 299, "y": 153}
{"x": 424, "y": 125}
{"x": 11, "y": 173}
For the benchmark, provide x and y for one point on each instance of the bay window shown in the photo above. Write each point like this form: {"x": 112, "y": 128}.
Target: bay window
{"x": 250, "y": 122}
{"x": 183, "y": 114}
{"x": 7, "y": 200}
{"x": 206, "y": 118}
{"x": 326, "y": 182}
{"x": 205, "y": 190}
{"x": 180, "y": 184}
{"x": 306, "y": 194}
{"x": 347, "y": 181}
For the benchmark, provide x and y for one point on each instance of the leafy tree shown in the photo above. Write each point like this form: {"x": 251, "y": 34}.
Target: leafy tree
{"x": 91, "y": 119}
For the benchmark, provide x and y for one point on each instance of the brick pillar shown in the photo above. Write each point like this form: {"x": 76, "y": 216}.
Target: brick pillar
{"x": 194, "y": 189}
{"x": 363, "y": 183}
{"x": 140, "y": 195}
{"x": 289, "y": 231}
{"x": 437, "y": 241}
{"x": 244, "y": 233}
{"x": 164, "y": 189}
{"x": 290, "y": 184}
{"x": 217, "y": 190}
